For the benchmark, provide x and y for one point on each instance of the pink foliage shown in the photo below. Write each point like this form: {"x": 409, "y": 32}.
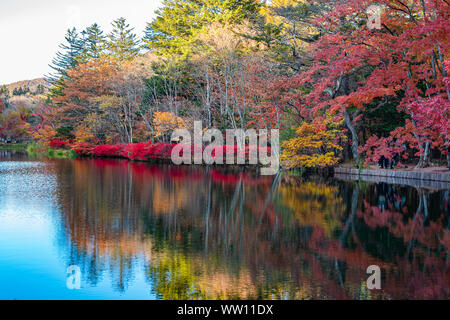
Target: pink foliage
{"x": 375, "y": 148}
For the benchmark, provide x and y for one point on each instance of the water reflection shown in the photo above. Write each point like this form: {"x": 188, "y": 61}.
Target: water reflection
{"x": 201, "y": 233}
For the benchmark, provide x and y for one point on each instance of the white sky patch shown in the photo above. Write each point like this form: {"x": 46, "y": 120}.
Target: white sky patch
{"x": 73, "y": 16}
{"x": 30, "y": 30}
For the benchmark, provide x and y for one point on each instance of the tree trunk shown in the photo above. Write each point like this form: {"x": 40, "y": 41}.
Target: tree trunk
{"x": 355, "y": 142}
{"x": 424, "y": 159}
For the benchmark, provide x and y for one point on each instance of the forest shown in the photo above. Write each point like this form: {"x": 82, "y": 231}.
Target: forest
{"x": 343, "y": 81}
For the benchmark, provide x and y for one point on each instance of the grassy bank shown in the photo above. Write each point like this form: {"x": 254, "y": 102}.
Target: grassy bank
{"x": 51, "y": 153}
{"x": 9, "y": 146}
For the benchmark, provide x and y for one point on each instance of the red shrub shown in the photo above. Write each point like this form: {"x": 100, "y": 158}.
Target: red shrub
{"x": 84, "y": 149}
{"x": 59, "y": 144}
{"x": 109, "y": 150}
{"x": 166, "y": 151}
{"x": 136, "y": 151}
{"x": 145, "y": 151}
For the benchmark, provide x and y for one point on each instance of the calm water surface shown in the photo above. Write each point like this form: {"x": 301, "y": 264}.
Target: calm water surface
{"x": 141, "y": 231}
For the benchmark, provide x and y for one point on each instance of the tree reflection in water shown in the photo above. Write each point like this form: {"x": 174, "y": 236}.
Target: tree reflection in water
{"x": 202, "y": 233}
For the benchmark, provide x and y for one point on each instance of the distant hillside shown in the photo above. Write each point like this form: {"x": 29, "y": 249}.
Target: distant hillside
{"x": 27, "y": 93}
{"x": 31, "y": 85}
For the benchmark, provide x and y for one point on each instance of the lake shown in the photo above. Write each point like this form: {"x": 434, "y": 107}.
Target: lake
{"x": 114, "y": 229}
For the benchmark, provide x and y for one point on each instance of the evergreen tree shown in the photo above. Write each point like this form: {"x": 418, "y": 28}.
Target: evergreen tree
{"x": 76, "y": 50}
{"x": 123, "y": 43}
{"x": 4, "y": 96}
{"x": 67, "y": 58}
{"x": 20, "y": 91}
{"x": 93, "y": 43}
{"x": 4, "y": 92}
{"x": 40, "y": 89}
{"x": 178, "y": 21}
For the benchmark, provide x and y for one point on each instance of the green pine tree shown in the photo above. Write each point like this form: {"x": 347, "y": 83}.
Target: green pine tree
{"x": 67, "y": 58}
{"x": 123, "y": 43}
{"x": 4, "y": 92}
{"x": 4, "y": 96}
{"x": 178, "y": 22}
{"x": 93, "y": 43}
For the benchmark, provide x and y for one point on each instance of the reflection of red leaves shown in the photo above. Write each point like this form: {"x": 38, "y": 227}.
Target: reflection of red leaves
{"x": 408, "y": 230}
{"x": 233, "y": 179}
{"x": 445, "y": 240}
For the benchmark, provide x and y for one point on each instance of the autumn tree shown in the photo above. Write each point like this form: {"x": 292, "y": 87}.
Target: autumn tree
{"x": 77, "y": 106}
{"x": 14, "y": 126}
{"x": 170, "y": 88}
{"x": 317, "y": 144}
{"x": 4, "y": 95}
{"x": 233, "y": 79}
{"x": 356, "y": 68}
{"x": 123, "y": 106}
{"x": 164, "y": 123}
{"x": 44, "y": 134}
{"x": 2, "y": 106}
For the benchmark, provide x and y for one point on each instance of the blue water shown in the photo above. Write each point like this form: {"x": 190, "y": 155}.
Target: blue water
{"x": 32, "y": 263}
{"x": 141, "y": 231}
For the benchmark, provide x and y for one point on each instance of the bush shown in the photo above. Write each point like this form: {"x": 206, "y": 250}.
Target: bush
{"x": 145, "y": 151}
{"x": 51, "y": 153}
{"x": 84, "y": 149}
{"x": 32, "y": 149}
{"x": 71, "y": 154}
{"x": 60, "y": 154}
{"x": 109, "y": 150}
{"x": 59, "y": 144}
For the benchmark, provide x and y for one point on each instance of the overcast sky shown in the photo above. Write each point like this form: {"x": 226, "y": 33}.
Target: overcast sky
{"x": 31, "y": 30}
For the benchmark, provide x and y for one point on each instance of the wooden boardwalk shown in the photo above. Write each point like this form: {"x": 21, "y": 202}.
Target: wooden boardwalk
{"x": 427, "y": 180}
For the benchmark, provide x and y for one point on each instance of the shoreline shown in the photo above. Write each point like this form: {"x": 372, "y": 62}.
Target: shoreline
{"x": 10, "y": 146}
{"x": 412, "y": 178}
{"x": 440, "y": 176}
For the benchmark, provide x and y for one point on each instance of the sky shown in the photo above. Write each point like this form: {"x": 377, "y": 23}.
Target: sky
{"x": 30, "y": 30}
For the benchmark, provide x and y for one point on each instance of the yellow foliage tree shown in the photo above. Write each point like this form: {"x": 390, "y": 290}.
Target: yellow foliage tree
{"x": 165, "y": 122}
{"x": 315, "y": 146}
{"x": 83, "y": 135}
